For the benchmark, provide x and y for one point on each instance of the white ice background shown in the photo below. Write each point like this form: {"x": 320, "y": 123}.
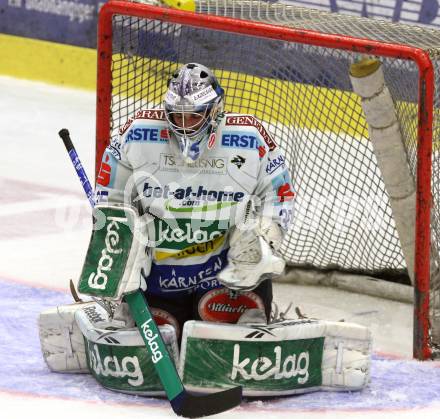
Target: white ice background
{"x": 44, "y": 231}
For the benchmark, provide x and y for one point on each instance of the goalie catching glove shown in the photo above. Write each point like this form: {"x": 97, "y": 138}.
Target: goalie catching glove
{"x": 252, "y": 255}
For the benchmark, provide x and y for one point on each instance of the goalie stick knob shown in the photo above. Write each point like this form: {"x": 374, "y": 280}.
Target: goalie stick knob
{"x": 65, "y": 136}
{"x": 63, "y": 132}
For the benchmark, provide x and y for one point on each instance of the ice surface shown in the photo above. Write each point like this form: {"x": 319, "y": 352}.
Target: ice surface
{"x": 44, "y": 231}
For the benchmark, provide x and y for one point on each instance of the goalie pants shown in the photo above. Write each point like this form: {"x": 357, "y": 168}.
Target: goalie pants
{"x": 217, "y": 305}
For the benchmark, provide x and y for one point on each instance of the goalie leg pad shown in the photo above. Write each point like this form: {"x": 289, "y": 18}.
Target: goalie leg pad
{"x": 277, "y": 359}
{"x": 84, "y": 338}
{"x": 62, "y": 343}
{"x": 118, "y": 357}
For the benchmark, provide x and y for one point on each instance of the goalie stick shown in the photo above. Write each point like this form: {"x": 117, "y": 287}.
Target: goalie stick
{"x": 183, "y": 403}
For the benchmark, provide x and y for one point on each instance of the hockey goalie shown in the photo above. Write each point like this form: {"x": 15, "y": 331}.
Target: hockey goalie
{"x": 192, "y": 204}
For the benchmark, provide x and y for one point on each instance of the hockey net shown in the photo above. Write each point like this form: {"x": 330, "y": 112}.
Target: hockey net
{"x": 294, "y": 76}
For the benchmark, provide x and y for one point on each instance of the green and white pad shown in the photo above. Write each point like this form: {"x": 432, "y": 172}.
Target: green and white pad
{"x": 289, "y": 357}
{"x": 118, "y": 359}
{"x": 116, "y": 253}
{"x": 84, "y": 338}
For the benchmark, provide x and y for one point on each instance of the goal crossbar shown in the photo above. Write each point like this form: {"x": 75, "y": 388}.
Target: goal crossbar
{"x": 419, "y": 56}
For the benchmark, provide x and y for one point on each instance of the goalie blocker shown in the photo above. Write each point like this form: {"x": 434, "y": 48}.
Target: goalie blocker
{"x": 288, "y": 357}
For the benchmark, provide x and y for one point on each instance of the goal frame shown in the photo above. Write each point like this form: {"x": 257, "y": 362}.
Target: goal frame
{"x": 421, "y": 337}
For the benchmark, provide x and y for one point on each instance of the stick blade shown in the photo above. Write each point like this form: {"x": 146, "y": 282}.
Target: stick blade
{"x": 191, "y": 405}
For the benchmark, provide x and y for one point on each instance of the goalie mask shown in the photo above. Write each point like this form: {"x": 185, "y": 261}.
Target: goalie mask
{"x": 192, "y": 104}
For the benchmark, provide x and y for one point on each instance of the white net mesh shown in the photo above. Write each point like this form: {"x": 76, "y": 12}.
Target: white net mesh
{"x": 302, "y": 93}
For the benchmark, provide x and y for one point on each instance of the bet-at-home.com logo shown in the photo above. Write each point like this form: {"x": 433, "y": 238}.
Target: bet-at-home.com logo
{"x": 197, "y": 194}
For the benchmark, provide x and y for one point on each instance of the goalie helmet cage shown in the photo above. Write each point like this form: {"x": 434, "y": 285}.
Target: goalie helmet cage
{"x": 289, "y": 67}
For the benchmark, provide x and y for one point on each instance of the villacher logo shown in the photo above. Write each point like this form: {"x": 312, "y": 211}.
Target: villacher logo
{"x": 220, "y": 305}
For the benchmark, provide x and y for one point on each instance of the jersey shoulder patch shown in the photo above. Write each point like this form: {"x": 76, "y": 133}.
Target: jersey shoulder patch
{"x": 148, "y": 126}
{"x": 249, "y": 120}
{"x": 125, "y": 127}
{"x": 114, "y": 148}
{"x": 154, "y": 114}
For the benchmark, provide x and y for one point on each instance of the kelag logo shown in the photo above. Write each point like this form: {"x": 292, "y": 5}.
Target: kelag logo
{"x": 239, "y": 140}
{"x": 154, "y": 135}
{"x": 175, "y": 235}
{"x": 110, "y": 365}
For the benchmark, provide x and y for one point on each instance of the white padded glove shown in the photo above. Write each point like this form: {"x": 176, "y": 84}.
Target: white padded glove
{"x": 251, "y": 255}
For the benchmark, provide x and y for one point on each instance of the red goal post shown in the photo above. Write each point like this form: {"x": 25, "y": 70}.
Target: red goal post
{"x": 115, "y": 103}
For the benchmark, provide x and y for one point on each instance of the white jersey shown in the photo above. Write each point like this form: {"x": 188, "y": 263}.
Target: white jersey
{"x": 190, "y": 208}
